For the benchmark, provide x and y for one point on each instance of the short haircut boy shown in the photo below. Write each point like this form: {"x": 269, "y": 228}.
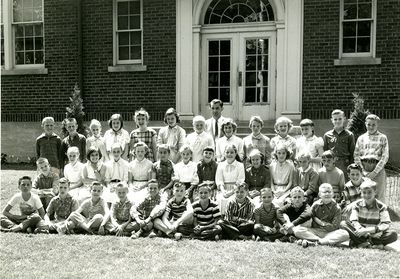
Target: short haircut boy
{"x": 216, "y": 102}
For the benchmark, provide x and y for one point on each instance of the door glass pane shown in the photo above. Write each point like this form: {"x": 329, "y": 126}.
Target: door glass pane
{"x": 219, "y": 74}
{"x": 256, "y": 71}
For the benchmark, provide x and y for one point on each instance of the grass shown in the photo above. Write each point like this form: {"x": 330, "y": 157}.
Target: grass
{"x": 80, "y": 256}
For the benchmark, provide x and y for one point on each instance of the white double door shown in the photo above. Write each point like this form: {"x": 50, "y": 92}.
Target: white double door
{"x": 239, "y": 69}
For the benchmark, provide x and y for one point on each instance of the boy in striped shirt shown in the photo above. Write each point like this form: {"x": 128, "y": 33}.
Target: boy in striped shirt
{"x": 238, "y": 223}
{"x": 206, "y": 215}
{"x": 369, "y": 220}
{"x": 177, "y": 219}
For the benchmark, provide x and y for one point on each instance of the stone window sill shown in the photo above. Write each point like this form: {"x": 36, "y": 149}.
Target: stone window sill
{"x": 127, "y": 68}
{"x": 350, "y": 61}
{"x": 32, "y": 71}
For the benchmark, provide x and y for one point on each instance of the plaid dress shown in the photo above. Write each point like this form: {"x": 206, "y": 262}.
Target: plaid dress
{"x": 147, "y": 137}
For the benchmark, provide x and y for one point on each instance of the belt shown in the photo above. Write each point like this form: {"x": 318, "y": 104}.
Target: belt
{"x": 115, "y": 180}
{"x": 140, "y": 180}
{"x": 281, "y": 184}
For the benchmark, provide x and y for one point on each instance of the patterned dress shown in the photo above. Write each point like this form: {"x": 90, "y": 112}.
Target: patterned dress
{"x": 147, "y": 137}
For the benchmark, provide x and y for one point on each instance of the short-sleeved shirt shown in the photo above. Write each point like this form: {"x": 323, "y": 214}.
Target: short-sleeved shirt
{"x": 258, "y": 178}
{"x": 288, "y": 141}
{"x": 90, "y": 209}
{"x": 60, "y": 209}
{"x": 74, "y": 172}
{"x": 121, "y": 210}
{"x": 342, "y": 144}
{"x": 208, "y": 215}
{"x": 267, "y": 216}
{"x": 145, "y": 207}
{"x": 176, "y": 209}
{"x": 21, "y": 206}
{"x": 164, "y": 172}
{"x": 49, "y": 147}
{"x": 186, "y": 173}
{"x": 147, "y": 137}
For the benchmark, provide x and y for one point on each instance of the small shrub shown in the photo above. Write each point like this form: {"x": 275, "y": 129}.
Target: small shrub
{"x": 356, "y": 122}
{"x": 75, "y": 110}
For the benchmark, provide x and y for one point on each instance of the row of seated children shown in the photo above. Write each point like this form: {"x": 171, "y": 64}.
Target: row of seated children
{"x": 368, "y": 225}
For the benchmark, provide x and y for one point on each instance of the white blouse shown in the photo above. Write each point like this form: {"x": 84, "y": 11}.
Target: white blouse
{"x": 198, "y": 142}
{"x": 229, "y": 173}
{"x": 140, "y": 169}
{"x": 223, "y": 142}
{"x": 186, "y": 173}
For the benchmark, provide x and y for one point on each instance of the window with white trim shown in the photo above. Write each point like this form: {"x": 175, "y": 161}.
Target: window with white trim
{"x": 22, "y": 36}
{"x": 357, "y": 28}
{"x": 128, "y": 35}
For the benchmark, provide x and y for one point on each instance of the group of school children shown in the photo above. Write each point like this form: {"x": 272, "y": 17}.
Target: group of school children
{"x": 209, "y": 184}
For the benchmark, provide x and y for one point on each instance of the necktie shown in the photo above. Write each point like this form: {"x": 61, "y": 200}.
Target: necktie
{"x": 216, "y": 128}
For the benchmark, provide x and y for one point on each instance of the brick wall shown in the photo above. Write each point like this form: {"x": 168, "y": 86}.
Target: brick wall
{"x": 29, "y": 97}
{"x": 326, "y": 86}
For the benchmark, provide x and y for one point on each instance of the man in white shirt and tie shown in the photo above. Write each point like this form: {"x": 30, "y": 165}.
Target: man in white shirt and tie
{"x": 214, "y": 124}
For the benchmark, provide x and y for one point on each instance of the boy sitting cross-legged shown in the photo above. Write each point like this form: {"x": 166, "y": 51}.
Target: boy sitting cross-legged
{"x": 294, "y": 213}
{"x": 206, "y": 215}
{"x": 120, "y": 212}
{"x": 326, "y": 216}
{"x": 238, "y": 223}
{"x": 146, "y": 211}
{"x": 266, "y": 225}
{"x": 60, "y": 207}
{"x": 24, "y": 212}
{"x": 369, "y": 221}
{"x": 93, "y": 214}
{"x": 177, "y": 219}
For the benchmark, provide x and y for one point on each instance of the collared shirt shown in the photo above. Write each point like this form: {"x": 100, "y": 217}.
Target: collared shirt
{"x": 49, "y": 147}
{"x": 341, "y": 144}
{"x": 73, "y": 172}
{"x": 237, "y": 213}
{"x": 48, "y": 183}
{"x": 230, "y": 173}
{"x": 210, "y": 126}
{"x": 152, "y": 207}
{"x": 111, "y": 137}
{"x": 364, "y": 216}
{"x": 329, "y": 213}
{"x": 208, "y": 215}
{"x": 266, "y": 216}
{"x": 99, "y": 143}
{"x": 140, "y": 170}
{"x": 186, "y": 173}
{"x": 288, "y": 141}
{"x": 296, "y": 215}
{"x": 197, "y": 142}
{"x": 148, "y": 137}
{"x": 308, "y": 180}
{"x": 223, "y": 142}
{"x": 351, "y": 192}
{"x": 176, "y": 209}
{"x": 258, "y": 178}
{"x": 260, "y": 142}
{"x": 174, "y": 137}
{"x": 60, "y": 209}
{"x": 120, "y": 210}
{"x": 164, "y": 172}
{"x": 280, "y": 172}
{"x": 334, "y": 177}
{"x": 206, "y": 171}
{"x": 79, "y": 141}
{"x": 118, "y": 170}
{"x": 90, "y": 209}
{"x": 374, "y": 146}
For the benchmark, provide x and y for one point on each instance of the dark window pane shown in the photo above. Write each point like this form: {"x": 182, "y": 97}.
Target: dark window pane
{"x": 19, "y": 58}
{"x": 225, "y": 79}
{"x": 212, "y": 94}
{"x": 264, "y": 94}
{"x": 364, "y": 28}
{"x": 39, "y": 57}
{"x": 122, "y": 8}
{"x": 226, "y": 19}
{"x": 213, "y": 63}
{"x": 224, "y": 95}
{"x": 363, "y": 44}
{"x": 349, "y": 29}
{"x": 124, "y": 53}
{"x": 350, "y": 1}
{"x": 134, "y": 22}
{"x": 19, "y": 31}
{"x": 250, "y": 63}
{"x": 250, "y": 46}
{"x": 19, "y": 44}
{"x": 29, "y": 44}
{"x": 136, "y": 53}
{"x": 213, "y": 80}
{"x": 136, "y": 38}
{"x": 251, "y": 79}
{"x": 134, "y": 7}
{"x": 215, "y": 18}
{"x": 225, "y": 63}
{"x": 250, "y": 95}
{"x": 38, "y": 43}
{"x": 122, "y": 23}
{"x": 350, "y": 11}
{"x": 213, "y": 47}
{"x": 123, "y": 38}
{"x": 28, "y": 30}
{"x": 38, "y": 30}
{"x": 349, "y": 45}
{"x": 232, "y": 11}
{"x": 364, "y": 10}
{"x": 225, "y": 47}
{"x": 29, "y": 57}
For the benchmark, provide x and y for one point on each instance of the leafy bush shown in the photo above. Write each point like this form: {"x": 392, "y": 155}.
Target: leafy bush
{"x": 356, "y": 122}
{"x": 75, "y": 110}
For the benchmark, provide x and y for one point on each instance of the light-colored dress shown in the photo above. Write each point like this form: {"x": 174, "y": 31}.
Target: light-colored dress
{"x": 198, "y": 142}
{"x": 73, "y": 172}
{"x": 288, "y": 141}
{"x": 312, "y": 145}
{"x": 111, "y": 137}
{"x": 115, "y": 171}
{"x": 140, "y": 172}
{"x": 173, "y": 137}
{"x": 99, "y": 143}
{"x": 227, "y": 176}
{"x": 280, "y": 175}
{"x": 223, "y": 142}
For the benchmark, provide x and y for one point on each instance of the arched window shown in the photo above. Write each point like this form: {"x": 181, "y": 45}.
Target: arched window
{"x": 238, "y": 11}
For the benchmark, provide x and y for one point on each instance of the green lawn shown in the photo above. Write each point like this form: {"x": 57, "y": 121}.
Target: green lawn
{"x": 80, "y": 256}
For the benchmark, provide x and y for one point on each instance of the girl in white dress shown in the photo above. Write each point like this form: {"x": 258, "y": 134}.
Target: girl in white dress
{"x": 97, "y": 140}
{"x": 116, "y": 134}
{"x": 229, "y": 173}
{"x": 73, "y": 172}
{"x": 309, "y": 142}
{"x": 228, "y": 130}
{"x": 139, "y": 172}
{"x": 94, "y": 169}
{"x": 282, "y": 127}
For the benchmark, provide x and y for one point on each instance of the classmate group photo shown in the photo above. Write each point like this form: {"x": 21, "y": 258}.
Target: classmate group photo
{"x": 208, "y": 184}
